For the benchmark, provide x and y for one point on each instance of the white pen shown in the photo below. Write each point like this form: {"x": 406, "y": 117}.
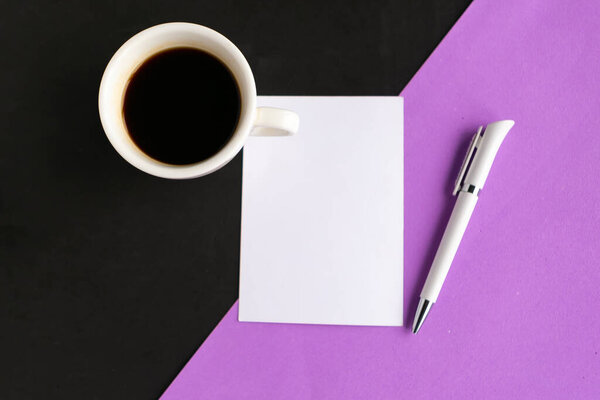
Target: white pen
{"x": 470, "y": 181}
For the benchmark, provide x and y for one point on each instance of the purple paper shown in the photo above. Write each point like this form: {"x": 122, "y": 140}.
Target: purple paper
{"x": 519, "y": 315}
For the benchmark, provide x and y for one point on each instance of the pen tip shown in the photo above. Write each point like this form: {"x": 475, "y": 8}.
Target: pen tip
{"x": 422, "y": 312}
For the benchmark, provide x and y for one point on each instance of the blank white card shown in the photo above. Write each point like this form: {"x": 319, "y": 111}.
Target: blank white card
{"x": 322, "y": 215}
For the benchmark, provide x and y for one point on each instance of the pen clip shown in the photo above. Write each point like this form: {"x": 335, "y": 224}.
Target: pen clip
{"x": 464, "y": 168}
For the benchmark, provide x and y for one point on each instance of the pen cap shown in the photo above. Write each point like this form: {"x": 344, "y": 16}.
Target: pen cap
{"x": 490, "y": 142}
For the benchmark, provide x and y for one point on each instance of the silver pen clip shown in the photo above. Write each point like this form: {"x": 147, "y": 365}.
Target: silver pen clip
{"x": 467, "y": 161}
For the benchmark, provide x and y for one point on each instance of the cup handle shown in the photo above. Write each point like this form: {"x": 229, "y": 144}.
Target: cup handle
{"x": 272, "y": 121}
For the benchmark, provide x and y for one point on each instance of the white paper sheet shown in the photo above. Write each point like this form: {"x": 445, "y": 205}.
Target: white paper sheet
{"x": 322, "y": 215}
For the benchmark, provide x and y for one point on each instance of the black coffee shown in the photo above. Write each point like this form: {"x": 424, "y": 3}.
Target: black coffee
{"x": 181, "y": 106}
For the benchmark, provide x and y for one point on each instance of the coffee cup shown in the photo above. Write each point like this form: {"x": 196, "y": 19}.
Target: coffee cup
{"x": 141, "y": 51}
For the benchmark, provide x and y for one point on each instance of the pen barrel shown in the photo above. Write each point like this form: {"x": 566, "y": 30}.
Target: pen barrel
{"x": 461, "y": 214}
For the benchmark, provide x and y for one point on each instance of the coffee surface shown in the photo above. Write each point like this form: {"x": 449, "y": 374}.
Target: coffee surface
{"x": 181, "y": 106}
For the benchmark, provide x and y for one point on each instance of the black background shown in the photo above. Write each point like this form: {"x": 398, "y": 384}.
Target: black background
{"x": 110, "y": 278}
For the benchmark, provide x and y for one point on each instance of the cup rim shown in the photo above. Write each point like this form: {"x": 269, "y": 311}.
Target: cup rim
{"x": 116, "y": 130}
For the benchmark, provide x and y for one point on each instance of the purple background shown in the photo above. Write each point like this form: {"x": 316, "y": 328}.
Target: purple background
{"x": 519, "y": 314}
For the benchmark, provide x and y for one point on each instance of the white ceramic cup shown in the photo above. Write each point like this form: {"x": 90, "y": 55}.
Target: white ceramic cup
{"x": 262, "y": 121}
